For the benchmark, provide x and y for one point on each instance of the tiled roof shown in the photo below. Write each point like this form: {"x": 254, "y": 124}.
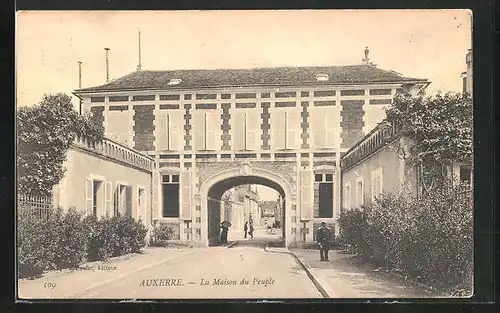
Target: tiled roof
{"x": 272, "y": 76}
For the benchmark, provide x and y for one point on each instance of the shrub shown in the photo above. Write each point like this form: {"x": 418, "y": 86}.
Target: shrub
{"x": 34, "y": 247}
{"x": 161, "y": 234}
{"x": 430, "y": 239}
{"x": 71, "y": 239}
{"x": 114, "y": 236}
{"x": 353, "y": 230}
{"x": 64, "y": 240}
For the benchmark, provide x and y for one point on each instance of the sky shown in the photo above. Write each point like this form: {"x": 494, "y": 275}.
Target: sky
{"x": 428, "y": 44}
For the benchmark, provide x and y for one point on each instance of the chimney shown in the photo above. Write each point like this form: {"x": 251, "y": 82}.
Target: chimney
{"x": 107, "y": 65}
{"x": 139, "y": 66}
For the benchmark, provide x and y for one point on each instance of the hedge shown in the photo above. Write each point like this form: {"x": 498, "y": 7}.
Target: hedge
{"x": 66, "y": 239}
{"x": 429, "y": 239}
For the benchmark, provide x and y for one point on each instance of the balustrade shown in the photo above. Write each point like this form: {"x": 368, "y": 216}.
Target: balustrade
{"x": 115, "y": 150}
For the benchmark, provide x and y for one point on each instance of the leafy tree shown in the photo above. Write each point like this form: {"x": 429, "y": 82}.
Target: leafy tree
{"x": 440, "y": 127}
{"x": 44, "y": 134}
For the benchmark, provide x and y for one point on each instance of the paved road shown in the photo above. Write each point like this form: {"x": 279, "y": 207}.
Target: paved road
{"x": 215, "y": 273}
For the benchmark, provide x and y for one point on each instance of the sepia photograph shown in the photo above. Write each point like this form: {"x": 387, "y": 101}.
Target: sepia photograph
{"x": 244, "y": 154}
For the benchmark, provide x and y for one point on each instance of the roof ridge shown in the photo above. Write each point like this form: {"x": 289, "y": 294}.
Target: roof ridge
{"x": 258, "y": 67}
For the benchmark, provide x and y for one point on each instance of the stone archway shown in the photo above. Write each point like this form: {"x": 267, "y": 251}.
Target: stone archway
{"x": 215, "y": 186}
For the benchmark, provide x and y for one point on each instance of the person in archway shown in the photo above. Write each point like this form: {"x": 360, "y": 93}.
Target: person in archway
{"x": 223, "y": 234}
{"x": 250, "y": 232}
{"x": 245, "y": 229}
{"x": 324, "y": 236}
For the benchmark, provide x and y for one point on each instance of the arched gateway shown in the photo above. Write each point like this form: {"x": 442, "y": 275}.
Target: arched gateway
{"x": 209, "y": 130}
{"x": 215, "y": 186}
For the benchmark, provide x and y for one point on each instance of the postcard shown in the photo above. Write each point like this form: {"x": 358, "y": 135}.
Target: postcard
{"x": 274, "y": 154}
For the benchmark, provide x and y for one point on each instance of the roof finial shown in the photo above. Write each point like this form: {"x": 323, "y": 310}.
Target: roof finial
{"x": 366, "y": 58}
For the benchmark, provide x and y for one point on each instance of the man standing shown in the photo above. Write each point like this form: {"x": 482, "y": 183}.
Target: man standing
{"x": 245, "y": 229}
{"x": 324, "y": 236}
{"x": 250, "y": 232}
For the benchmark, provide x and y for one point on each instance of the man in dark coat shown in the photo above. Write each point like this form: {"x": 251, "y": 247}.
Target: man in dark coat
{"x": 245, "y": 229}
{"x": 324, "y": 237}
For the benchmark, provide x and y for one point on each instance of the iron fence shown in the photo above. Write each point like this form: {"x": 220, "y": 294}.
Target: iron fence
{"x": 32, "y": 205}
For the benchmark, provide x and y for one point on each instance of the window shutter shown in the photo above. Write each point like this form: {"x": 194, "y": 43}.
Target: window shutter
{"x": 306, "y": 194}
{"x": 278, "y": 129}
{"x": 211, "y": 130}
{"x": 108, "y": 198}
{"x": 329, "y": 128}
{"x": 319, "y": 128}
{"x": 199, "y": 130}
{"x": 161, "y": 134}
{"x": 293, "y": 126}
{"x": 238, "y": 129}
{"x": 252, "y": 125}
{"x": 186, "y": 195}
{"x": 176, "y": 126}
{"x": 154, "y": 202}
{"x": 128, "y": 197}
{"x": 89, "y": 195}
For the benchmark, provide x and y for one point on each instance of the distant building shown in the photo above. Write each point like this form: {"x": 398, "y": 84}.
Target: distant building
{"x": 239, "y": 205}
{"x": 467, "y": 75}
{"x": 268, "y": 212}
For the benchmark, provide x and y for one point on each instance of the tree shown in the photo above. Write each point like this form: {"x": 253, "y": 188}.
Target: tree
{"x": 44, "y": 134}
{"x": 440, "y": 127}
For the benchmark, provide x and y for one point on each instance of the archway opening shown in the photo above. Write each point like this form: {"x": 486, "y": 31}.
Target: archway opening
{"x": 218, "y": 199}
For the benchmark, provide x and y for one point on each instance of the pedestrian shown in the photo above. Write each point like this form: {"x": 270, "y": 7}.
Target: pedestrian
{"x": 324, "y": 236}
{"x": 250, "y": 232}
{"x": 223, "y": 234}
{"x": 245, "y": 229}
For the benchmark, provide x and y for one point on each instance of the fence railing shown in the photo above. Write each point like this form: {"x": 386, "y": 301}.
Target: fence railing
{"x": 37, "y": 206}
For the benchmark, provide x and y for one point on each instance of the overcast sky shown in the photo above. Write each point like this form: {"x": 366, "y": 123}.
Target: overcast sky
{"x": 417, "y": 43}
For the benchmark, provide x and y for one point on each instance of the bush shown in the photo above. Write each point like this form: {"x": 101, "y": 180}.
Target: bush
{"x": 35, "y": 247}
{"x": 429, "y": 239}
{"x": 71, "y": 239}
{"x": 65, "y": 240}
{"x": 353, "y": 231}
{"x": 161, "y": 234}
{"x": 115, "y": 236}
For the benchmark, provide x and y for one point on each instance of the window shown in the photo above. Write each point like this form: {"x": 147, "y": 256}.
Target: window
{"x": 323, "y": 124}
{"x": 245, "y": 129}
{"x": 141, "y": 203}
{"x": 174, "y": 81}
{"x": 359, "y": 192}
{"x": 322, "y": 77}
{"x": 465, "y": 174}
{"x": 323, "y": 195}
{"x": 347, "y": 196}
{"x": 206, "y": 126}
{"x": 98, "y": 197}
{"x": 377, "y": 183}
{"x": 285, "y": 127}
{"x": 170, "y": 195}
{"x": 123, "y": 199}
{"x": 97, "y": 200}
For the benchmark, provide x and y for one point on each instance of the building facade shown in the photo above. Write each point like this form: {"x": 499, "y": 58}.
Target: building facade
{"x": 106, "y": 178}
{"x": 375, "y": 167}
{"x": 211, "y": 130}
